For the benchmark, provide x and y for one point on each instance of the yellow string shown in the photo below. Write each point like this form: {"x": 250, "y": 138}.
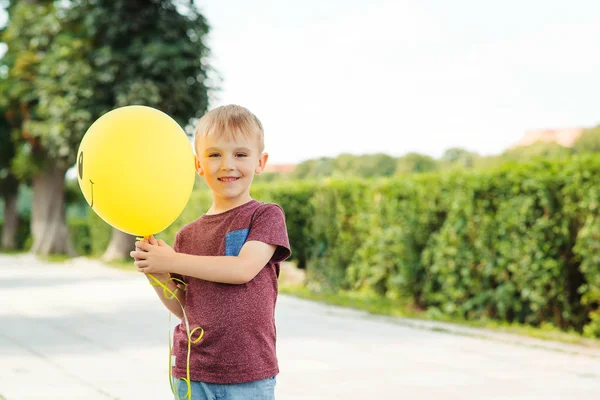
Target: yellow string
{"x": 169, "y": 294}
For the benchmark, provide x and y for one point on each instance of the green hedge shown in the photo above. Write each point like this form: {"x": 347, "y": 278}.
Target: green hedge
{"x": 517, "y": 243}
{"x": 295, "y": 199}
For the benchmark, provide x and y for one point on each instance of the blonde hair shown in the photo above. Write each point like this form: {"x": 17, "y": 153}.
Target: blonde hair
{"x": 230, "y": 121}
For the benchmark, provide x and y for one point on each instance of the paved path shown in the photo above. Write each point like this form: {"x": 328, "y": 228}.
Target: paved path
{"x": 80, "y": 330}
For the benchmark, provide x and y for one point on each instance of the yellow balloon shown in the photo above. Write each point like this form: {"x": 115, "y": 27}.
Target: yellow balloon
{"x": 135, "y": 167}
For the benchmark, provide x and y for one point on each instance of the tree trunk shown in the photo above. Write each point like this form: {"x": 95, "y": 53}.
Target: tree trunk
{"x": 11, "y": 222}
{"x": 120, "y": 245}
{"x": 48, "y": 222}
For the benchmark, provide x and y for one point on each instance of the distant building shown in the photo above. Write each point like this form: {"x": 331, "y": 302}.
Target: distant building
{"x": 280, "y": 168}
{"x": 565, "y": 137}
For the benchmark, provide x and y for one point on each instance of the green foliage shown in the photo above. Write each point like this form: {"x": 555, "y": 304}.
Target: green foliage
{"x": 156, "y": 55}
{"x": 501, "y": 252}
{"x": 295, "y": 199}
{"x": 589, "y": 141}
{"x": 582, "y": 205}
{"x": 314, "y": 169}
{"x": 269, "y": 177}
{"x": 337, "y": 229}
{"x": 98, "y": 231}
{"x": 536, "y": 150}
{"x": 402, "y": 214}
{"x": 364, "y": 166}
{"x": 346, "y": 166}
{"x": 456, "y": 157}
{"x": 79, "y": 229}
{"x": 48, "y": 89}
{"x": 382, "y": 165}
{"x": 415, "y": 163}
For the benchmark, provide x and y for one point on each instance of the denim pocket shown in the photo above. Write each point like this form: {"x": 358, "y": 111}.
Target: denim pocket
{"x": 234, "y": 241}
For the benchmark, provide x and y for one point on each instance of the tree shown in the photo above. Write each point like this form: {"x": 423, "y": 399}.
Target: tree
{"x": 49, "y": 97}
{"x": 346, "y": 165}
{"x": 9, "y": 186}
{"x": 69, "y": 63}
{"x": 415, "y": 163}
{"x": 316, "y": 168}
{"x": 373, "y": 165}
{"x": 589, "y": 141}
{"x": 539, "y": 149}
{"x": 459, "y": 157}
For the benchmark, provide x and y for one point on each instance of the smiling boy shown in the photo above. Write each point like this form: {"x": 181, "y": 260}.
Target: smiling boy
{"x": 229, "y": 259}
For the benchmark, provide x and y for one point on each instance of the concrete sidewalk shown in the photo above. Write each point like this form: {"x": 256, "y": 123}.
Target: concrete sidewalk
{"x": 80, "y": 330}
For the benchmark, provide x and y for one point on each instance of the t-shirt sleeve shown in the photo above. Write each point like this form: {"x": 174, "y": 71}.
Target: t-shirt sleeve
{"x": 268, "y": 226}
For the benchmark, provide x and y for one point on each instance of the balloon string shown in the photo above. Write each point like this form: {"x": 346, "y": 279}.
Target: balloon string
{"x": 169, "y": 294}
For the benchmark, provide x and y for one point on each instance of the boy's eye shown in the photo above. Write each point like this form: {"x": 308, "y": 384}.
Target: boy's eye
{"x": 241, "y": 155}
{"x": 214, "y": 155}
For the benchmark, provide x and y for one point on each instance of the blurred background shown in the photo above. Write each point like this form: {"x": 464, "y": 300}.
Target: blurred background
{"x": 435, "y": 159}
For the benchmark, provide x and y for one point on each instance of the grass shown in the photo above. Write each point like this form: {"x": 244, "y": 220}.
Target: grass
{"x": 405, "y": 309}
{"x": 13, "y": 253}
{"x": 55, "y": 258}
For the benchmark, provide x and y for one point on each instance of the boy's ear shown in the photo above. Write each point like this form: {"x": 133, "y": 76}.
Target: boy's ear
{"x": 262, "y": 162}
{"x": 198, "y": 167}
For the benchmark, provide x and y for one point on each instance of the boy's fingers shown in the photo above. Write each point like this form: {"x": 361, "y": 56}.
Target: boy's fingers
{"x": 152, "y": 240}
{"x": 140, "y": 255}
{"x": 162, "y": 242}
{"x": 138, "y": 248}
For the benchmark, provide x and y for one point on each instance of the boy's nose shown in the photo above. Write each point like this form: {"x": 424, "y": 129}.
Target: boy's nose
{"x": 227, "y": 164}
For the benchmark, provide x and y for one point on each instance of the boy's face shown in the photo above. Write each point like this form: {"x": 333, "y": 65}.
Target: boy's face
{"x": 229, "y": 166}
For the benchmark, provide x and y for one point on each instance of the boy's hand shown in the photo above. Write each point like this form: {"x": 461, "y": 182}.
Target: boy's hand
{"x": 161, "y": 277}
{"x": 154, "y": 257}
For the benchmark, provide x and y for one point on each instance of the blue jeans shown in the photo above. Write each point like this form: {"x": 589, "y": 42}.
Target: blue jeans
{"x": 263, "y": 389}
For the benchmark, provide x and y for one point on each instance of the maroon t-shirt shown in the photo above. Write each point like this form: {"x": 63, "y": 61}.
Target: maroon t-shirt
{"x": 238, "y": 320}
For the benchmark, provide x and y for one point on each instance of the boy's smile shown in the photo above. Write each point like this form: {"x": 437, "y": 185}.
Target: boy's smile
{"x": 228, "y": 163}
{"x": 227, "y": 179}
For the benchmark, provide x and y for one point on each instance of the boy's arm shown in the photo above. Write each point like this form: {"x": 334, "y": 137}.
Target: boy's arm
{"x": 239, "y": 269}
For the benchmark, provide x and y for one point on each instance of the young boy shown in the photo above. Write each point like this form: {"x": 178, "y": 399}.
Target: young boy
{"x": 229, "y": 258}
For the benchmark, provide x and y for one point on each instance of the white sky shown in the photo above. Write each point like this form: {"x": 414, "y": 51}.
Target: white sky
{"x": 333, "y": 76}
